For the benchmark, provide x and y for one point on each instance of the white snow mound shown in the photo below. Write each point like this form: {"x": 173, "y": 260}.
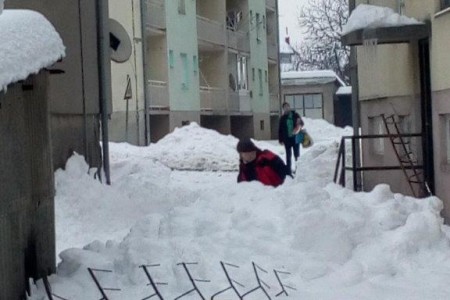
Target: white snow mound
{"x": 372, "y": 16}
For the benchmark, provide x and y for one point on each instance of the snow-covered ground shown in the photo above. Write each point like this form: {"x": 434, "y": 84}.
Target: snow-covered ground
{"x": 163, "y": 209}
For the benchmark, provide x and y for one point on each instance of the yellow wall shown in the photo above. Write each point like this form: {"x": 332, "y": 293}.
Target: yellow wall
{"x": 387, "y": 70}
{"x": 440, "y": 53}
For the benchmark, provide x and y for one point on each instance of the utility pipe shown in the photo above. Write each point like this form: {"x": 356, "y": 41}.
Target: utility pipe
{"x": 104, "y": 76}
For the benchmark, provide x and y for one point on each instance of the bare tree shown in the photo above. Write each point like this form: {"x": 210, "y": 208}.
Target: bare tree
{"x": 322, "y": 21}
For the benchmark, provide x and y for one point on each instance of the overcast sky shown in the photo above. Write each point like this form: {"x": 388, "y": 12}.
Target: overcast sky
{"x": 289, "y": 11}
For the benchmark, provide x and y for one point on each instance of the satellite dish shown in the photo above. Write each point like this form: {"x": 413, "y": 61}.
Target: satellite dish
{"x": 119, "y": 42}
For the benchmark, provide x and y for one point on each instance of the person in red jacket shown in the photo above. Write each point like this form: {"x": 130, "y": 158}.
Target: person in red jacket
{"x": 262, "y": 165}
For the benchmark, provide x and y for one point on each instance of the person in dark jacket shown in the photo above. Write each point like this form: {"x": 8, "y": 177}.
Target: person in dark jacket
{"x": 290, "y": 123}
{"x": 262, "y": 165}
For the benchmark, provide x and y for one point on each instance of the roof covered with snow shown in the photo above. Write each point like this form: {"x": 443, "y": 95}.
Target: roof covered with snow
{"x": 372, "y": 16}
{"x": 286, "y": 48}
{"x": 344, "y": 90}
{"x": 310, "y": 77}
{"x": 28, "y": 43}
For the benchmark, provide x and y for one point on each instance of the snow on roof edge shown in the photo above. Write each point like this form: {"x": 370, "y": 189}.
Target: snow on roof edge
{"x": 28, "y": 43}
{"x": 373, "y": 16}
{"x": 344, "y": 90}
{"x": 312, "y": 74}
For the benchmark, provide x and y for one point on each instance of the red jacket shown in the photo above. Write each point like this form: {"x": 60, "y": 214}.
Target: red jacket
{"x": 267, "y": 168}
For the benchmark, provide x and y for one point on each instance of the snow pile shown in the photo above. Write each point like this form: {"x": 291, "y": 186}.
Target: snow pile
{"x": 371, "y": 16}
{"x": 28, "y": 43}
{"x": 337, "y": 244}
{"x": 192, "y": 147}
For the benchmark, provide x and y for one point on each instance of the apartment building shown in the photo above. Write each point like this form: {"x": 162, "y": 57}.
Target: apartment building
{"x": 210, "y": 62}
{"x": 405, "y": 71}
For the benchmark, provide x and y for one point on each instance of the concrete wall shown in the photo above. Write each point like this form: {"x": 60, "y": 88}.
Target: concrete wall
{"x": 440, "y": 74}
{"x": 441, "y": 106}
{"x": 27, "y": 223}
{"x": 374, "y": 108}
{"x": 127, "y": 124}
{"x": 75, "y": 92}
{"x": 388, "y": 70}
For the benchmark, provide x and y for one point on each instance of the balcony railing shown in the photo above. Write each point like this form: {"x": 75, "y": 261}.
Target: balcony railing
{"x": 213, "y": 99}
{"x": 240, "y": 102}
{"x": 159, "y": 95}
{"x": 271, "y": 4}
{"x": 274, "y": 104}
{"x": 238, "y": 40}
{"x": 156, "y": 14}
{"x": 211, "y": 31}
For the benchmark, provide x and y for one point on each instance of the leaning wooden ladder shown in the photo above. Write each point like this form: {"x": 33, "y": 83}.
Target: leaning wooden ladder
{"x": 408, "y": 161}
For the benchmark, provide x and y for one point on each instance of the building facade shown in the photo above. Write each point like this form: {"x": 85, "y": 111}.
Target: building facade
{"x": 405, "y": 72}
{"x": 210, "y": 62}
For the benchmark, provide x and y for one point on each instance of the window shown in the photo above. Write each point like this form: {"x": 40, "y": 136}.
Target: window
{"x": 171, "y": 59}
{"x": 376, "y": 126}
{"x": 260, "y": 78}
{"x": 267, "y": 76}
{"x": 195, "y": 64}
{"x": 445, "y": 4}
{"x": 242, "y": 73}
{"x": 261, "y": 124}
{"x": 184, "y": 61}
{"x": 264, "y": 22}
{"x": 251, "y": 17}
{"x": 306, "y": 105}
{"x": 258, "y": 27}
{"x": 182, "y": 7}
{"x": 253, "y": 74}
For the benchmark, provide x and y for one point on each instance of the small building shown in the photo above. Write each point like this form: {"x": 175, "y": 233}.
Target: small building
{"x": 311, "y": 93}
{"x": 28, "y": 45}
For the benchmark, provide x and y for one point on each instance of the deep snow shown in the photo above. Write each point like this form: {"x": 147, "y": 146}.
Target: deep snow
{"x": 337, "y": 244}
{"x": 28, "y": 43}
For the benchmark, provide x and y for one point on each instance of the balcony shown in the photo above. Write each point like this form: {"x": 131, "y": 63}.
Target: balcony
{"x": 274, "y": 104}
{"x": 156, "y": 15}
{"x": 240, "y": 102}
{"x": 272, "y": 50}
{"x": 271, "y": 4}
{"x": 238, "y": 40}
{"x": 210, "y": 32}
{"x": 159, "y": 96}
{"x": 213, "y": 100}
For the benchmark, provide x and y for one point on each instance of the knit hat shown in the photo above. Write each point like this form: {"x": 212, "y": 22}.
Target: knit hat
{"x": 246, "y": 145}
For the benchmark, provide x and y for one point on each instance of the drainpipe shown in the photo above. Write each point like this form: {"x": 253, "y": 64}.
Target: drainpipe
{"x": 355, "y": 101}
{"x": 144, "y": 18}
{"x": 278, "y": 55}
{"x": 104, "y": 76}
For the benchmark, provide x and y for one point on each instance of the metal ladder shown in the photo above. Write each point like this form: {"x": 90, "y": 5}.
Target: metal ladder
{"x": 408, "y": 161}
